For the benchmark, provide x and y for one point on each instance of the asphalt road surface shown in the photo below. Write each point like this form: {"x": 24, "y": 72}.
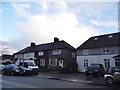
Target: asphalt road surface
{"x": 37, "y": 82}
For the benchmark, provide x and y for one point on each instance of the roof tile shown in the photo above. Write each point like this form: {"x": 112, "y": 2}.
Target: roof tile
{"x": 102, "y": 41}
{"x": 47, "y": 46}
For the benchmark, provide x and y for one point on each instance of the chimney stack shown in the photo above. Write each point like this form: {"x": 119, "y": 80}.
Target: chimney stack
{"x": 32, "y": 44}
{"x": 56, "y": 39}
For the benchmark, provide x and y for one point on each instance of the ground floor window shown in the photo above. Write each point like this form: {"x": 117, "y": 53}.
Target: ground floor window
{"x": 42, "y": 62}
{"x": 85, "y": 63}
{"x": 107, "y": 62}
{"x": 52, "y": 62}
{"x": 117, "y": 62}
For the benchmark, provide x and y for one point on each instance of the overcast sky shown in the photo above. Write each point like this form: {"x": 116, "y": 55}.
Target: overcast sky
{"x": 74, "y": 21}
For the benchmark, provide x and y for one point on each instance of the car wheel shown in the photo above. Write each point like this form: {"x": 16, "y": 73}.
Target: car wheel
{"x": 109, "y": 80}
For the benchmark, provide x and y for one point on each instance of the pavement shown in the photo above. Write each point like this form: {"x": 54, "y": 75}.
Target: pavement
{"x": 75, "y": 77}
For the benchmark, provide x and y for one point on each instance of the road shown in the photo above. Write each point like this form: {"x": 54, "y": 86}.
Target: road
{"x": 36, "y": 82}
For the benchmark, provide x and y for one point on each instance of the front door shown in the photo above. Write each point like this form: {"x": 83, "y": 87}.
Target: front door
{"x": 61, "y": 63}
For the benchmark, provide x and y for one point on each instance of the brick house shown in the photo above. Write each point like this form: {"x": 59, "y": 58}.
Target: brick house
{"x": 50, "y": 56}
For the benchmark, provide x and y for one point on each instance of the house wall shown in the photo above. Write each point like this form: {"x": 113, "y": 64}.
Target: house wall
{"x": 29, "y": 55}
{"x": 94, "y": 59}
{"x": 113, "y": 50}
{"x": 96, "y": 56}
{"x": 45, "y": 57}
{"x": 71, "y": 60}
{"x": 66, "y": 55}
{"x": 24, "y": 56}
{"x": 99, "y": 51}
{"x": 19, "y": 56}
{"x": 50, "y": 55}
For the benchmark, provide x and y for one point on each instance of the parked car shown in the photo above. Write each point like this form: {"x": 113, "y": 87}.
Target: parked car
{"x": 95, "y": 70}
{"x": 28, "y": 64}
{"x": 112, "y": 75}
{"x": 13, "y": 69}
{"x": 2, "y": 68}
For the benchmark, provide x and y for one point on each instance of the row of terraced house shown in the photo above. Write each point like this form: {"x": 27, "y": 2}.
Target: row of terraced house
{"x": 104, "y": 49}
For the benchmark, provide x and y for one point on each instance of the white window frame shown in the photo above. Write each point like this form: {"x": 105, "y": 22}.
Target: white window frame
{"x": 40, "y": 53}
{"x": 110, "y": 36}
{"x": 53, "y": 62}
{"x": 56, "y": 52}
{"x": 29, "y": 55}
{"x": 42, "y": 62}
{"x": 85, "y": 63}
{"x": 96, "y": 38}
{"x": 107, "y": 62}
{"x": 106, "y": 50}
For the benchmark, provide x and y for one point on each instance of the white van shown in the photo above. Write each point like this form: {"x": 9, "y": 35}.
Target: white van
{"x": 28, "y": 65}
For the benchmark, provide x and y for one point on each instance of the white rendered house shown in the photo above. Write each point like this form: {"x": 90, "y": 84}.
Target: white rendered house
{"x": 103, "y": 49}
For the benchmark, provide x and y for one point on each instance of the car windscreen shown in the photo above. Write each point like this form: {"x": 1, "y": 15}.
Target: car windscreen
{"x": 30, "y": 63}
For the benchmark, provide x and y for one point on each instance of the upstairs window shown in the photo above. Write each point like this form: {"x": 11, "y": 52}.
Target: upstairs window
{"x": 96, "y": 38}
{"x": 106, "y": 50}
{"x": 41, "y": 53}
{"x": 56, "y": 52}
{"x": 28, "y": 54}
{"x": 85, "y": 52}
{"x": 110, "y": 36}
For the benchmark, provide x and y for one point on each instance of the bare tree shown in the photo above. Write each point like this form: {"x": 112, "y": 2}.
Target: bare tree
{"x": 3, "y": 48}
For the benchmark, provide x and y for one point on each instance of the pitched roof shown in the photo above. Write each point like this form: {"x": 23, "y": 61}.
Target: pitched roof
{"x": 47, "y": 46}
{"x": 6, "y": 56}
{"x": 107, "y": 40}
{"x": 22, "y": 51}
{"x": 117, "y": 56}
